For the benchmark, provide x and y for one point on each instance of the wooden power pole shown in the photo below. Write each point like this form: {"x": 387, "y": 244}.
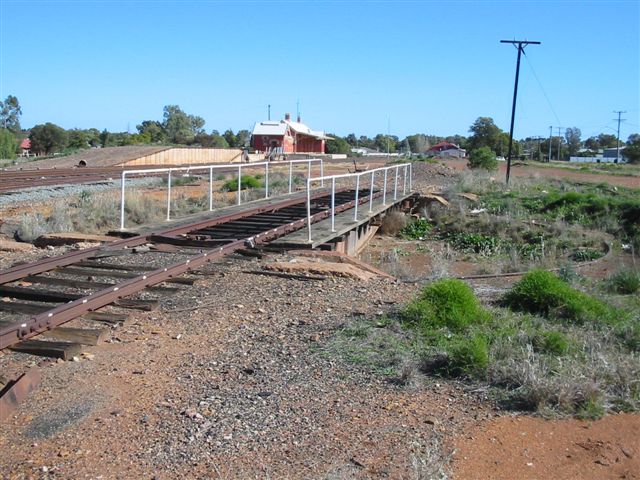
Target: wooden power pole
{"x": 520, "y": 45}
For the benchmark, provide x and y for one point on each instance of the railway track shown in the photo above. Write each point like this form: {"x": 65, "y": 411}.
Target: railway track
{"x": 100, "y": 285}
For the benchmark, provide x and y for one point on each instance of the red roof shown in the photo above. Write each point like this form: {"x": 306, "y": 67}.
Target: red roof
{"x": 25, "y": 144}
{"x": 439, "y": 147}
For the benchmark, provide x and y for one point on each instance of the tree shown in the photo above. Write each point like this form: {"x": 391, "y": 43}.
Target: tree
{"x": 243, "y": 138}
{"x": 572, "y": 135}
{"x": 386, "y": 143}
{"x": 632, "y": 150}
{"x": 485, "y": 133}
{"x": 483, "y": 158}
{"x": 78, "y": 139}
{"x": 48, "y": 138}
{"x": 231, "y": 138}
{"x": 105, "y": 137}
{"x": 419, "y": 143}
{"x": 10, "y": 112}
{"x": 154, "y": 129}
{"x": 606, "y": 140}
{"x": 352, "y": 139}
{"x": 180, "y": 127}
{"x": 338, "y": 145}
{"x": 8, "y": 144}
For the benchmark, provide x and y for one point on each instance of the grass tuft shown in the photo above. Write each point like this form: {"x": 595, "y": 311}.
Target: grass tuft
{"x": 541, "y": 292}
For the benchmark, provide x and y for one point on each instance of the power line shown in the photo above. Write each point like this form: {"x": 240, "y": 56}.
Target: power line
{"x": 521, "y": 44}
{"x": 542, "y": 88}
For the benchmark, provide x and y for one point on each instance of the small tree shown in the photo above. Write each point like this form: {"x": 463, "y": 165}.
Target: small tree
{"x": 48, "y": 138}
{"x": 483, "y": 158}
{"x": 632, "y": 151}
{"x": 8, "y": 144}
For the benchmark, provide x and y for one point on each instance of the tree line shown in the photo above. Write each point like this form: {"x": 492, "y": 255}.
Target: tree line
{"x": 484, "y": 133}
{"x": 180, "y": 128}
{"x": 176, "y": 128}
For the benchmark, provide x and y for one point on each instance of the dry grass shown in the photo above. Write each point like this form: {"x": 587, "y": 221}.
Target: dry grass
{"x": 393, "y": 222}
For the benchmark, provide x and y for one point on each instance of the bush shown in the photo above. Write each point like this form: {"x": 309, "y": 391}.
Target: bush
{"x": 247, "y": 181}
{"x": 553, "y": 343}
{"x": 447, "y": 303}
{"x": 544, "y": 293}
{"x": 416, "y": 230}
{"x": 467, "y": 356}
{"x": 483, "y": 158}
{"x": 624, "y": 282}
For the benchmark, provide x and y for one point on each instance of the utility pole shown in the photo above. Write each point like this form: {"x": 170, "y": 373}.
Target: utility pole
{"x": 268, "y": 112}
{"x": 550, "y": 136}
{"x": 521, "y": 44}
{"x": 619, "y": 112}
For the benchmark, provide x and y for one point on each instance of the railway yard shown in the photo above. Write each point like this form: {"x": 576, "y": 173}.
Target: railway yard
{"x": 213, "y": 345}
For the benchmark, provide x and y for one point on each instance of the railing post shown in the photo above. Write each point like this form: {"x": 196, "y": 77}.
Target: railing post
{"x": 122, "y": 201}
{"x": 333, "y": 204}
{"x": 322, "y": 173}
{"x": 371, "y": 192}
{"x": 169, "y": 196}
{"x": 384, "y": 190}
{"x": 395, "y": 184}
{"x": 309, "y": 210}
{"x": 290, "y": 176}
{"x": 404, "y": 183}
{"x": 266, "y": 180}
{"x": 239, "y": 201}
{"x": 411, "y": 177}
{"x": 210, "y": 188}
{"x": 355, "y": 212}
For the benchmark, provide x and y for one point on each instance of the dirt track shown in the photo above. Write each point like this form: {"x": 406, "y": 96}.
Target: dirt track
{"x": 532, "y": 171}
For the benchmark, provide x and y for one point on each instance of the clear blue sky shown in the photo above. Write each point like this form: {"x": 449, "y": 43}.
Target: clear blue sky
{"x": 429, "y": 66}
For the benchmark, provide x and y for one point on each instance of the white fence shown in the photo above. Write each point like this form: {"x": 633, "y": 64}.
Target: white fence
{"x": 407, "y": 173}
{"x": 596, "y": 159}
{"x": 210, "y": 168}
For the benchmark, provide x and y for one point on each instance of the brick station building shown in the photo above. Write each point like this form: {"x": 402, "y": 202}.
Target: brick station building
{"x": 286, "y": 136}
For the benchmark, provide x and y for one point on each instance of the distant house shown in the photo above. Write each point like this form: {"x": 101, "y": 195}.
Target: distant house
{"x": 25, "y": 148}
{"x": 446, "y": 149}
{"x": 608, "y": 155}
{"x": 364, "y": 151}
{"x": 286, "y": 136}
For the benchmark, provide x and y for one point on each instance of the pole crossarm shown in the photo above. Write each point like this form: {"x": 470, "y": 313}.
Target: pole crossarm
{"x": 521, "y": 44}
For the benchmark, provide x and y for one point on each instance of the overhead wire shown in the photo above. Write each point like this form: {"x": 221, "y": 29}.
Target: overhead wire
{"x": 541, "y": 87}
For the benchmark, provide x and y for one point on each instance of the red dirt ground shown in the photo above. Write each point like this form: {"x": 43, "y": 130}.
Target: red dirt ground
{"x": 528, "y": 171}
{"x": 534, "y": 448}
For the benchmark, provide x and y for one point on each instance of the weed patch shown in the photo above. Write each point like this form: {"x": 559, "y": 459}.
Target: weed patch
{"x": 419, "y": 229}
{"x": 246, "y": 182}
{"x": 529, "y": 362}
{"x": 624, "y": 282}
{"x": 541, "y": 292}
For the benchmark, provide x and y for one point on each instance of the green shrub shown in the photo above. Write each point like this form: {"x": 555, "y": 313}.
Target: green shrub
{"x": 483, "y": 158}
{"x": 624, "y": 282}
{"x": 553, "y": 343}
{"x": 416, "y": 230}
{"x": 466, "y": 356}
{"x": 247, "y": 181}
{"x": 447, "y": 303}
{"x": 591, "y": 409}
{"x": 586, "y": 255}
{"x": 475, "y": 243}
{"x": 544, "y": 293}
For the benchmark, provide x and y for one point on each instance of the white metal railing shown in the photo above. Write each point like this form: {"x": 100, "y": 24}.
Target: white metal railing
{"x": 407, "y": 174}
{"x": 211, "y": 168}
